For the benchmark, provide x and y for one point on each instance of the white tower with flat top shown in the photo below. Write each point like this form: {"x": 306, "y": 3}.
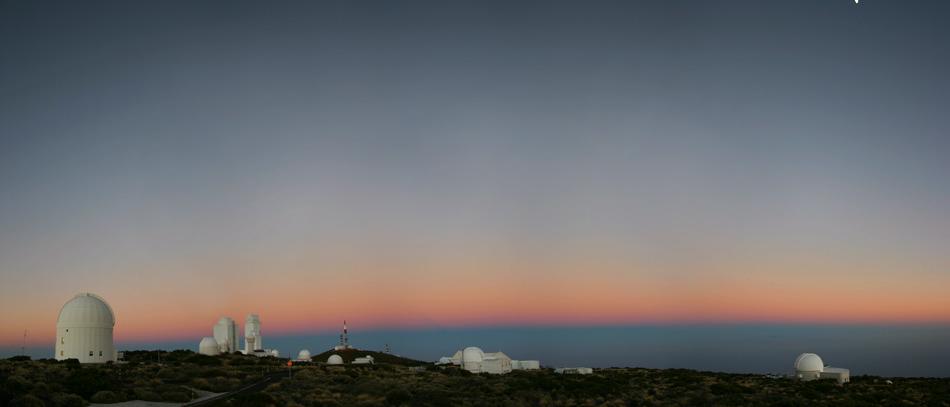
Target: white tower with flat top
{"x": 252, "y": 334}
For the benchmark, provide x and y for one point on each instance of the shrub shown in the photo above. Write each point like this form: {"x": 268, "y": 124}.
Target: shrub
{"x": 176, "y": 396}
{"x": 203, "y": 360}
{"x": 68, "y": 400}
{"x": 27, "y": 400}
{"x": 398, "y": 396}
{"x": 201, "y": 384}
{"x": 104, "y": 396}
{"x": 21, "y": 358}
{"x": 18, "y": 384}
{"x": 253, "y": 400}
{"x": 146, "y": 394}
{"x": 71, "y": 363}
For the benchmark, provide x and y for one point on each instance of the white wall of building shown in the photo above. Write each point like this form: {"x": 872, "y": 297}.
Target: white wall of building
{"x": 525, "y": 364}
{"x": 225, "y": 332}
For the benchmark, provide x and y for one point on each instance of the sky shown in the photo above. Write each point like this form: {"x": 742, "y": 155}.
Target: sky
{"x": 421, "y": 165}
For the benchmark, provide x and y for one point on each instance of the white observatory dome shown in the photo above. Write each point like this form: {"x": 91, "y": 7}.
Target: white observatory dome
{"x": 472, "y": 354}
{"x": 304, "y": 355}
{"x": 86, "y": 310}
{"x": 809, "y": 362}
{"x": 334, "y": 360}
{"x": 84, "y": 330}
{"x": 208, "y": 346}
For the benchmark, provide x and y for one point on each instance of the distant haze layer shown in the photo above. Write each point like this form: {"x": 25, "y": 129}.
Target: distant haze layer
{"x": 880, "y": 350}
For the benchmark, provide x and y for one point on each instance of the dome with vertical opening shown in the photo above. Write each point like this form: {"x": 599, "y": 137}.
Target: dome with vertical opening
{"x": 809, "y": 362}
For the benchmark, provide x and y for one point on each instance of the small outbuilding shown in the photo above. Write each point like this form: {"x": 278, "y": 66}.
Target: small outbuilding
{"x": 525, "y": 364}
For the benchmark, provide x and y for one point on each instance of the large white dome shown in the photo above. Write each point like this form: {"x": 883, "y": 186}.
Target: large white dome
{"x": 84, "y": 330}
{"x": 809, "y": 362}
{"x": 304, "y": 355}
{"x": 472, "y": 354}
{"x": 86, "y": 310}
{"x": 334, "y": 360}
{"x": 208, "y": 346}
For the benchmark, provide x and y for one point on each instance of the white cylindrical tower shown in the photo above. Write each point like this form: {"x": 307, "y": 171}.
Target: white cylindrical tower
{"x": 225, "y": 333}
{"x": 84, "y": 330}
{"x": 252, "y": 334}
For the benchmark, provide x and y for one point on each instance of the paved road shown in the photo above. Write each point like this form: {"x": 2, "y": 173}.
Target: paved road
{"x": 253, "y": 387}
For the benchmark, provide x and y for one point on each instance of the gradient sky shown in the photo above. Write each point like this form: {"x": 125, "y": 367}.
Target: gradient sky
{"x": 432, "y": 164}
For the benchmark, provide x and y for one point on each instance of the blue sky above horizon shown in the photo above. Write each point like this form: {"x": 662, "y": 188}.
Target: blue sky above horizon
{"x": 555, "y": 163}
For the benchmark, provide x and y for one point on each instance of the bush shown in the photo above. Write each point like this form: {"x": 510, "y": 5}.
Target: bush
{"x": 203, "y": 360}
{"x": 104, "y": 396}
{"x": 201, "y": 384}
{"x": 27, "y": 400}
{"x": 68, "y": 400}
{"x": 18, "y": 384}
{"x": 254, "y": 400}
{"x": 87, "y": 381}
{"x": 145, "y": 394}
{"x": 398, "y": 396}
{"x": 176, "y": 396}
{"x": 71, "y": 363}
{"x": 21, "y": 358}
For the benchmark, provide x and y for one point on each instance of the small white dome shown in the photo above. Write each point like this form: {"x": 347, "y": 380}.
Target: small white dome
{"x": 303, "y": 355}
{"x": 86, "y": 310}
{"x": 334, "y": 360}
{"x": 208, "y": 346}
{"x": 472, "y": 354}
{"x": 809, "y": 362}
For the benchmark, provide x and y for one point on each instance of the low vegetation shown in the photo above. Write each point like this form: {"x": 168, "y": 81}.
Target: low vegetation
{"x": 48, "y": 382}
{"x": 378, "y": 386}
{"x": 51, "y": 383}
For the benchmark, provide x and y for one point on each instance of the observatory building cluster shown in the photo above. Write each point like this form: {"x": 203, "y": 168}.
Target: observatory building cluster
{"x": 224, "y": 339}
{"x": 475, "y": 360}
{"x": 84, "y": 331}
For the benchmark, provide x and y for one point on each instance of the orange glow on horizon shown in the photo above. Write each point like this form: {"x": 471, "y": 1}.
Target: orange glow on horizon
{"x": 416, "y": 295}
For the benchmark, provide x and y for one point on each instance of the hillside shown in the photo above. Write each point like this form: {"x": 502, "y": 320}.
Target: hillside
{"x": 381, "y": 358}
{"x": 176, "y": 379}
